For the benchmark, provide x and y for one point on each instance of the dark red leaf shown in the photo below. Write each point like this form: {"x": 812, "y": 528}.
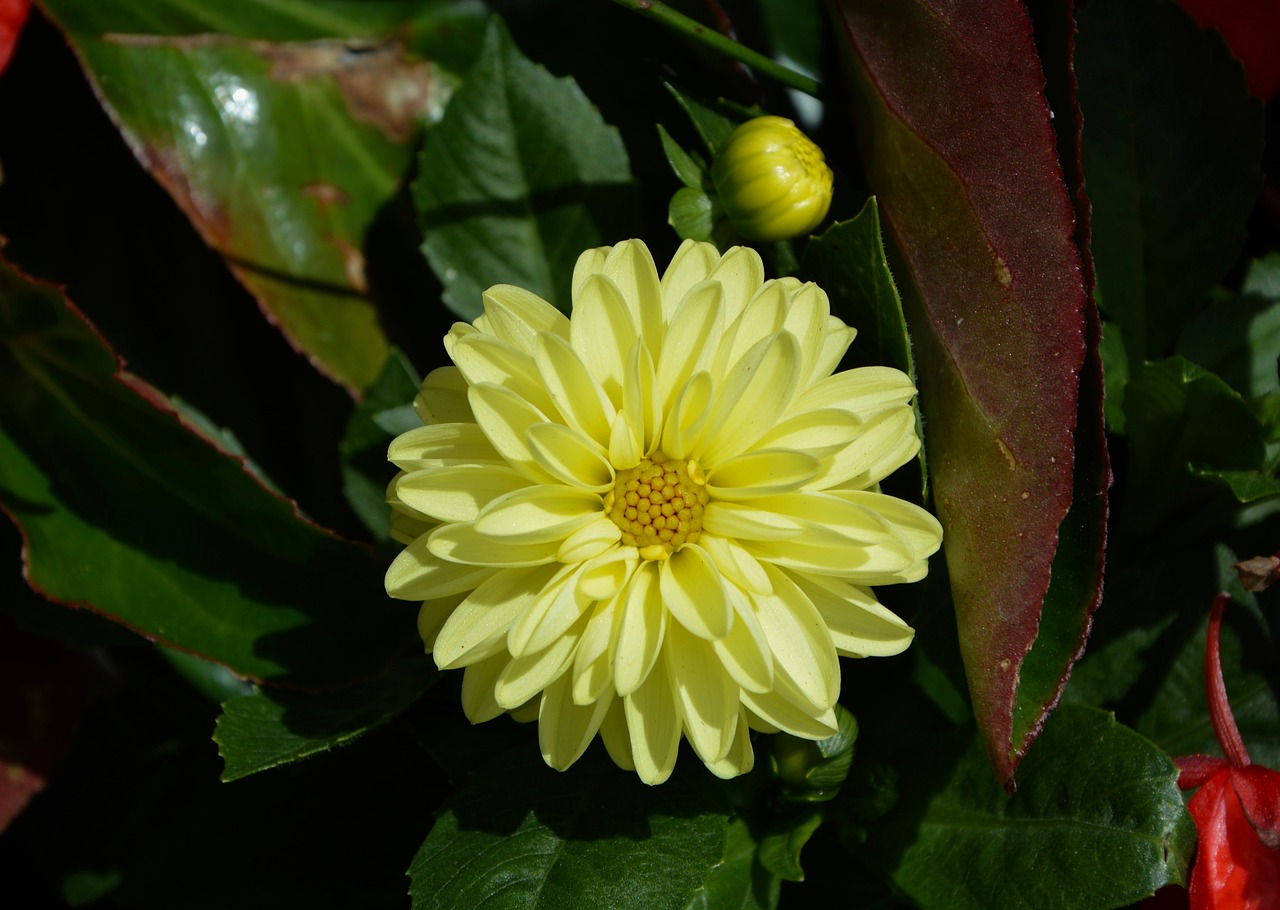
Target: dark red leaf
{"x": 1251, "y": 29}
{"x": 960, "y": 150}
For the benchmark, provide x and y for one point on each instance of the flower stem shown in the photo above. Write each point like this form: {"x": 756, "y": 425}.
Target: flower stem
{"x": 679, "y": 22}
{"x": 1224, "y": 723}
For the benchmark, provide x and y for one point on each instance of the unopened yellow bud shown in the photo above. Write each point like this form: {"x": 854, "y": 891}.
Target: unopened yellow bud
{"x": 772, "y": 180}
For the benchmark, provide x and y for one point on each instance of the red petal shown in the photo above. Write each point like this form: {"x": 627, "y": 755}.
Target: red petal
{"x": 1233, "y": 869}
{"x": 1259, "y": 792}
{"x": 12, "y": 14}
{"x": 1196, "y": 769}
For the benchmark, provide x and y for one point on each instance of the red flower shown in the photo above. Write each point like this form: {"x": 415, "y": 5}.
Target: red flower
{"x": 1237, "y": 811}
{"x": 12, "y": 14}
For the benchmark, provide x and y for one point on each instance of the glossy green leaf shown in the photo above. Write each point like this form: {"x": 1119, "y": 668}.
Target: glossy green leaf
{"x": 1097, "y": 822}
{"x": 272, "y": 728}
{"x": 519, "y": 834}
{"x": 981, "y": 230}
{"x": 692, "y": 214}
{"x": 780, "y": 849}
{"x": 520, "y": 177}
{"x": 691, "y": 170}
{"x": 281, "y": 149}
{"x": 1180, "y": 417}
{"x": 712, "y": 123}
{"x": 385, "y": 412}
{"x": 127, "y": 512}
{"x": 1246, "y": 486}
{"x": 1172, "y": 145}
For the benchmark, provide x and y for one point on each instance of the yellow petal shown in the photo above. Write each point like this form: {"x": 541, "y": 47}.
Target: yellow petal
{"x": 592, "y": 666}
{"x": 864, "y": 392}
{"x": 575, "y": 391}
{"x": 538, "y": 514}
{"x": 735, "y": 563}
{"x": 442, "y": 444}
{"x": 602, "y": 332}
{"x": 432, "y": 616}
{"x": 443, "y": 397}
{"x": 910, "y": 523}
{"x": 689, "y": 415}
{"x": 640, "y": 401}
{"x": 590, "y": 541}
{"x": 504, "y": 417}
{"x": 417, "y": 574}
{"x": 691, "y": 340}
{"x": 524, "y": 677}
{"x": 480, "y": 622}
{"x": 763, "y": 316}
{"x": 653, "y": 720}
{"x": 694, "y": 593}
{"x": 807, "y": 312}
{"x": 461, "y": 542}
{"x": 483, "y": 358}
{"x": 781, "y": 714}
{"x": 820, "y": 433}
{"x": 689, "y": 267}
{"x": 458, "y": 492}
{"x": 885, "y": 443}
{"x": 553, "y": 612}
{"x": 802, "y": 646}
{"x": 745, "y": 651}
{"x": 630, "y": 267}
{"x": 590, "y": 262}
{"x": 565, "y": 729}
{"x": 763, "y": 472}
{"x": 641, "y": 630}
{"x": 624, "y": 444}
{"x": 477, "y": 688}
{"x": 859, "y": 625}
{"x": 517, "y": 316}
{"x": 741, "y": 757}
{"x": 570, "y": 457}
{"x": 708, "y": 696}
{"x": 616, "y": 737}
{"x": 835, "y": 342}
{"x": 749, "y": 521}
{"x": 755, "y": 393}
{"x": 607, "y": 574}
{"x": 741, "y": 272}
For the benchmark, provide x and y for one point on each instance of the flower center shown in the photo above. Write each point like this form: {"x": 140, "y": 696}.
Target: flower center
{"x": 658, "y": 505}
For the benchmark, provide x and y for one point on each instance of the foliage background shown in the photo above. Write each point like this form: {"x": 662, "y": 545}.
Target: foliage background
{"x": 1179, "y": 169}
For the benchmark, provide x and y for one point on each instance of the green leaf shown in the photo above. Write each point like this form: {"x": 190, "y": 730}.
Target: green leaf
{"x": 272, "y": 728}
{"x": 1246, "y": 486}
{"x": 691, "y": 170}
{"x": 1172, "y": 146}
{"x": 282, "y": 150}
{"x": 982, "y": 232}
{"x": 126, "y": 511}
{"x": 1178, "y": 416}
{"x": 1095, "y": 797}
{"x": 1238, "y": 338}
{"x": 738, "y": 881}
{"x": 780, "y": 849}
{"x": 692, "y": 213}
{"x": 1115, "y": 372}
{"x": 520, "y": 177}
{"x": 811, "y": 771}
{"x": 374, "y": 422}
{"x": 518, "y": 834}
{"x": 710, "y": 120}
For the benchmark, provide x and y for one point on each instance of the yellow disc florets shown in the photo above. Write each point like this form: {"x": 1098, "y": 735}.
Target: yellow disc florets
{"x": 658, "y": 505}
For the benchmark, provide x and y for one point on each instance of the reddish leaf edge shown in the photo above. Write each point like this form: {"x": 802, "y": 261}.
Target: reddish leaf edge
{"x": 157, "y": 400}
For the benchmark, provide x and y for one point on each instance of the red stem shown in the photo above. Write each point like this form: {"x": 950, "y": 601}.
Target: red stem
{"x": 1224, "y": 723}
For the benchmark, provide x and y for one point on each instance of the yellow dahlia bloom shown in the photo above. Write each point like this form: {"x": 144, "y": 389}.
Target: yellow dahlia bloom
{"x": 660, "y": 517}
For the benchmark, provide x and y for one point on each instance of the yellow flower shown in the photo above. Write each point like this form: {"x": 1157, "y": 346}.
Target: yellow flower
{"x": 660, "y": 517}
{"x": 772, "y": 181}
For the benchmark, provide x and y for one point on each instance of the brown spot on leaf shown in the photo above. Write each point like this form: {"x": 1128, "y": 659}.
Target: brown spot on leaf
{"x": 326, "y": 194}
{"x": 1003, "y": 276}
{"x": 378, "y": 84}
{"x": 174, "y": 174}
{"x": 1008, "y": 454}
{"x": 352, "y": 265}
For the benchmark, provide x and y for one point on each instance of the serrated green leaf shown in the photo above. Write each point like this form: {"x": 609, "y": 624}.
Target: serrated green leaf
{"x": 738, "y": 881}
{"x": 518, "y": 834}
{"x": 1246, "y": 486}
{"x": 281, "y": 133}
{"x": 386, "y": 410}
{"x": 1171, "y": 148}
{"x": 272, "y": 728}
{"x": 520, "y": 177}
{"x": 1093, "y": 795}
{"x": 690, "y": 169}
{"x": 711, "y": 122}
{"x": 127, "y": 512}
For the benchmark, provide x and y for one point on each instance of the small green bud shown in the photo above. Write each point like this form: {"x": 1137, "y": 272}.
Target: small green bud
{"x": 772, "y": 180}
